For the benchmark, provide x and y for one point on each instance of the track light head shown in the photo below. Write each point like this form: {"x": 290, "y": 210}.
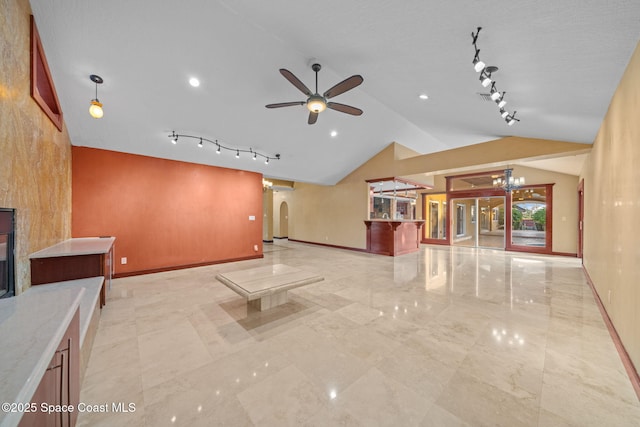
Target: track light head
{"x": 485, "y": 75}
{"x": 495, "y": 95}
{"x": 500, "y": 101}
{"x": 504, "y": 113}
{"x": 512, "y": 119}
{"x": 477, "y": 64}
{"x": 475, "y": 36}
{"x": 200, "y": 143}
{"x": 485, "y": 79}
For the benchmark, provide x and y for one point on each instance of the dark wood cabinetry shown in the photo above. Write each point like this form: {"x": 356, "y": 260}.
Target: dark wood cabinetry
{"x": 59, "y": 388}
{"x": 74, "y": 259}
{"x": 393, "y": 237}
{"x": 60, "y": 269}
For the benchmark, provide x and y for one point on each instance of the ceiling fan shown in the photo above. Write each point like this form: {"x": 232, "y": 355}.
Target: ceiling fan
{"x": 317, "y": 103}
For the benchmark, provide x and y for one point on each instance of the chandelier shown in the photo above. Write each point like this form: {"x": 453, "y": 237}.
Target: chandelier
{"x": 508, "y": 183}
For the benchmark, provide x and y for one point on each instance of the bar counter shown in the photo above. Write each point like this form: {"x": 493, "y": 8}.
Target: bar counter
{"x": 393, "y": 237}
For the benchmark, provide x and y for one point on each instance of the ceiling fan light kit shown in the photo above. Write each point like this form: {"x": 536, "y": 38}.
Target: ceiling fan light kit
{"x": 317, "y": 103}
{"x": 486, "y": 79}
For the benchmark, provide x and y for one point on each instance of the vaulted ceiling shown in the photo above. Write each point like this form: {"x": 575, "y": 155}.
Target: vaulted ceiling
{"x": 559, "y": 62}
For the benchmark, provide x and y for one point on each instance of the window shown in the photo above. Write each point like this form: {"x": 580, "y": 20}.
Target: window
{"x": 461, "y": 219}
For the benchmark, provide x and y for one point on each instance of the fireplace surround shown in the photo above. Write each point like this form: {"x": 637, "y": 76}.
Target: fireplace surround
{"x": 7, "y": 245}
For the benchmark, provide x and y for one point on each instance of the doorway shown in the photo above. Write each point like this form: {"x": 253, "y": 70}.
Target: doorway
{"x": 284, "y": 220}
{"x": 7, "y": 280}
{"x": 478, "y": 222}
{"x": 580, "y": 218}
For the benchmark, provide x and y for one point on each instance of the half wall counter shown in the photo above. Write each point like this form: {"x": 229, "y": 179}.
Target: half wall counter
{"x": 39, "y": 332}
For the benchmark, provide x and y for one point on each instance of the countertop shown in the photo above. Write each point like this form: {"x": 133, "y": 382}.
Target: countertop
{"x": 77, "y": 246}
{"x": 31, "y": 327}
{"x": 88, "y": 301}
{"x": 393, "y": 220}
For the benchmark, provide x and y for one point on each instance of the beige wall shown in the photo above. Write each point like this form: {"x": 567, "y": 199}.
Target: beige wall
{"x": 612, "y": 203}
{"x": 35, "y": 164}
{"x": 280, "y": 197}
{"x": 335, "y": 214}
{"x": 565, "y": 206}
{"x": 267, "y": 215}
{"x": 332, "y": 215}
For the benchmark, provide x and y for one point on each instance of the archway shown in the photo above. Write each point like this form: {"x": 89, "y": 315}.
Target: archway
{"x": 284, "y": 220}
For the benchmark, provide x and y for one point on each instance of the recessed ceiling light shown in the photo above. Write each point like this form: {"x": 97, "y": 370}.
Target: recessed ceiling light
{"x": 194, "y": 82}
{"x": 334, "y": 133}
{"x": 423, "y": 96}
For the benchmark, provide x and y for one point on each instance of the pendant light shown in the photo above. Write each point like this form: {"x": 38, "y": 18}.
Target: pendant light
{"x": 96, "y": 107}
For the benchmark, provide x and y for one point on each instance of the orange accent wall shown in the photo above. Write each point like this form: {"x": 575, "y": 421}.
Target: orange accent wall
{"x": 165, "y": 214}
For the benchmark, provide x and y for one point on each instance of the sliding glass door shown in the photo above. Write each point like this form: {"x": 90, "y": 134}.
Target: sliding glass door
{"x": 529, "y": 217}
{"x": 435, "y": 215}
{"x": 478, "y": 222}
{"x": 491, "y": 229}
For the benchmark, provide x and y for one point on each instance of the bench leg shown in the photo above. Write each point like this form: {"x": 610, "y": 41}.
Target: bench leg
{"x": 269, "y": 301}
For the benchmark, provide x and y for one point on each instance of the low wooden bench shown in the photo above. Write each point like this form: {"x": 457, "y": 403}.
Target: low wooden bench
{"x": 266, "y": 287}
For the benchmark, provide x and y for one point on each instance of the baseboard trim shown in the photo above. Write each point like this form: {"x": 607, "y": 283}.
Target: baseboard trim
{"x": 622, "y": 351}
{"x": 569, "y": 254}
{"x": 329, "y": 246}
{"x": 182, "y": 267}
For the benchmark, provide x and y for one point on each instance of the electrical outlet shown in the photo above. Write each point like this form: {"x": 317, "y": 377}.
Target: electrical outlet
{"x": 255, "y": 248}
{"x": 123, "y": 260}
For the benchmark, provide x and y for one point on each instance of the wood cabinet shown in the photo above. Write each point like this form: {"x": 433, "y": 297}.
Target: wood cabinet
{"x": 73, "y": 259}
{"x": 59, "y": 388}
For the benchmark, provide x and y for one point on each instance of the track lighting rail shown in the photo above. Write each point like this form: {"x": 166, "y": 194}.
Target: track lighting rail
{"x": 219, "y": 147}
{"x": 486, "y": 79}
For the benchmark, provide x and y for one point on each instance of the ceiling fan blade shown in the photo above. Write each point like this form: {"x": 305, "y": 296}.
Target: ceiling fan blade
{"x": 295, "y": 81}
{"x": 343, "y": 86}
{"x": 285, "y": 104}
{"x": 313, "y": 117}
{"x": 344, "y": 108}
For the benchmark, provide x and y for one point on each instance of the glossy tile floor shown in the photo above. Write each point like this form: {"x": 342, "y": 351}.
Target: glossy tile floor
{"x": 447, "y": 336}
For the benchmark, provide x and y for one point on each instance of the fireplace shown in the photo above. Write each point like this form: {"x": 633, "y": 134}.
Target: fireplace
{"x": 7, "y": 242}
